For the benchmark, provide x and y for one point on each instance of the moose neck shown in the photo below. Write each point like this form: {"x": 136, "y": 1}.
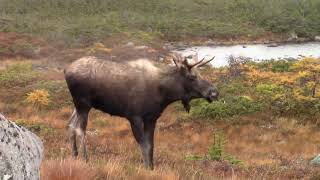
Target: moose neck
{"x": 171, "y": 88}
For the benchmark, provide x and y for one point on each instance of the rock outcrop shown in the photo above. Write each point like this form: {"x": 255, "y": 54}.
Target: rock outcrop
{"x": 316, "y": 160}
{"x": 21, "y": 152}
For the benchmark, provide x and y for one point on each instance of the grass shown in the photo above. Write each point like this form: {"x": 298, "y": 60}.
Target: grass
{"x": 268, "y": 146}
{"x": 75, "y": 21}
{"x": 66, "y": 169}
{"x": 216, "y": 152}
{"x": 19, "y": 74}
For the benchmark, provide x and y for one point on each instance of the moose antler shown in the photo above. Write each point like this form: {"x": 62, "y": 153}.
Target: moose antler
{"x": 206, "y": 62}
{"x": 177, "y": 59}
{"x": 199, "y": 63}
{"x": 195, "y": 64}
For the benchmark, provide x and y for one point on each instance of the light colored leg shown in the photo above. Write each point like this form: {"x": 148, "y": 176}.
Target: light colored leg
{"x": 72, "y": 133}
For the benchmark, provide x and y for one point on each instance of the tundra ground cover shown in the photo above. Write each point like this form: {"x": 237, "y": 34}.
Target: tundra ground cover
{"x": 270, "y": 137}
{"x": 74, "y": 21}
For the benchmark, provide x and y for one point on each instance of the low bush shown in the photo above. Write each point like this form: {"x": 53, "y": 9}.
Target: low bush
{"x": 38, "y": 98}
{"x": 18, "y": 74}
{"x": 24, "y": 48}
{"x": 35, "y": 127}
{"x": 285, "y": 88}
{"x": 225, "y": 107}
{"x": 59, "y": 93}
{"x": 216, "y": 152}
{"x": 279, "y": 65}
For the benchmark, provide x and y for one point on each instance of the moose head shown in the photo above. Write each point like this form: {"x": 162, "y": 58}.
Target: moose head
{"x": 193, "y": 84}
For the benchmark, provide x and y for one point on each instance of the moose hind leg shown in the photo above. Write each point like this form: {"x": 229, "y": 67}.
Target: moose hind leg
{"x": 72, "y": 133}
{"x": 77, "y": 127}
{"x": 81, "y": 131}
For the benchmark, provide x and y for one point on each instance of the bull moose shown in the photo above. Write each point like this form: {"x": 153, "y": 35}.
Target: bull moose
{"x": 138, "y": 90}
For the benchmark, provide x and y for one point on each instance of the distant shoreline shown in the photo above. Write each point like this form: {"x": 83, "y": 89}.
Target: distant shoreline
{"x": 210, "y": 42}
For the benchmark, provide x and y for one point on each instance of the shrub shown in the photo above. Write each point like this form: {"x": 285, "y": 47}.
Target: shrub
{"x": 216, "y": 151}
{"x": 23, "y": 48}
{"x": 225, "y": 107}
{"x": 18, "y": 74}
{"x": 308, "y": 75}
{"x": 35, "y": 127}
{"x": 280, "y": 65}
{"x": 59, "y": 93}
{"x": 267, "y": 89}
{"x": 268, "y": 93}
{"x": 236, "y": 87}
{"x": 39, "y": 98}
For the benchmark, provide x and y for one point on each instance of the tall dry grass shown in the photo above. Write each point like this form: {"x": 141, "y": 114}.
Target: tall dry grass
{"x": 67, "y": 169}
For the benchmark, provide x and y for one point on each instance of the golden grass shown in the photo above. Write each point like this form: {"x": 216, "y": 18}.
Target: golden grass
{"x": 261, "y": 148}
{"x": 67, "y": 169}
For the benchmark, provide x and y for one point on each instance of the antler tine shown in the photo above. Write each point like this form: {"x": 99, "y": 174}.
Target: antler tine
{"x": 195, "y": 64}
{"x": 206, "y": 62}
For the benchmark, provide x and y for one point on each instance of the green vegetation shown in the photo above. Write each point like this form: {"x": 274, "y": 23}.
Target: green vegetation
{"x": 74, "y": 20}
{"x": 282, "y": 88}
{"x": 36, "y": 127}
{"x": 216, "y": 152}
{"x": 276, "y": 88}
{"x": 19, "y": 74}
{"x": 58, "y": 90}
{"x": 225, "y": 107}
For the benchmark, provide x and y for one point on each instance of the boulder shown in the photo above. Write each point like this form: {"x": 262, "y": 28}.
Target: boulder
{"x": 21, "y": 152}
{"x": 317, "y": 38}
{"x": 316, "y": 160}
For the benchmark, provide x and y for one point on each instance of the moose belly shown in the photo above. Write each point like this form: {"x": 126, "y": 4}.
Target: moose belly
{"x": 109, "y": 106}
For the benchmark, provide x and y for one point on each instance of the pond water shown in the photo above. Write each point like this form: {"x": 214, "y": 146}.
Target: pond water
{"x": 256, "y": 52}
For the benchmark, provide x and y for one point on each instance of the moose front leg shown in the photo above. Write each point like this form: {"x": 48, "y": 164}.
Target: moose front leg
{"x": 186, "y": 105}
{"x": 144, "y": 134}
{"x": 148, "y": 144}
